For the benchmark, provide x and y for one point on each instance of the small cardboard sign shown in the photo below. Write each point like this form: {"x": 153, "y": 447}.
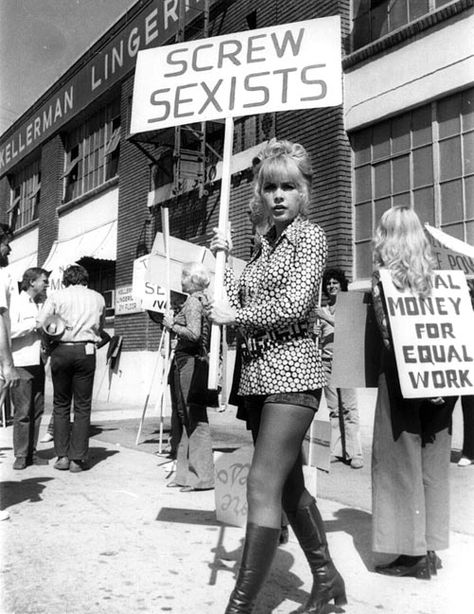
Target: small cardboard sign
{"x": 231, "y": 486}
{"x": 433, "y": 336}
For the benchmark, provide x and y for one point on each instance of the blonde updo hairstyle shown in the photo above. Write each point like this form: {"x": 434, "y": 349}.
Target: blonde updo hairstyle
{"x": 198, "y": 274}
{"x": 277, "y": 161}
{"x": 401, "y": 246}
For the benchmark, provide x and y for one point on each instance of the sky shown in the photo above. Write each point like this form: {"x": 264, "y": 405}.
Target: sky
{"x": 40, "y": 39}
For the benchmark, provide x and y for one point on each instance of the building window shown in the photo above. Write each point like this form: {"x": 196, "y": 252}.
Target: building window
{"x": 423, "y": 158}
{"x": 372, "y": 19}
{"x": 24, "y": 196}
{"x": 92, "y": 152}
{"x": 102, "y": 280}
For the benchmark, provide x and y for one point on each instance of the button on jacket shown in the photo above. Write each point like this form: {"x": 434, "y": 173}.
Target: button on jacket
{"x": 278, "y": 288}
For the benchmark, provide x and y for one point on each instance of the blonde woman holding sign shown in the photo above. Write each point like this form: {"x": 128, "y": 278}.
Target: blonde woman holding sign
{"x": 412, "y": 437}
{"x": 273, "y": 304}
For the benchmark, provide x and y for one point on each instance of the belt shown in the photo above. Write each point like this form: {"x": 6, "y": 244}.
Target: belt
{"x": 76, "y": 342}
{"x": 254, "y": 346}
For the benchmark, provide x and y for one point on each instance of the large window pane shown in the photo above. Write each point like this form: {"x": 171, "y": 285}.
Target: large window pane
{"x": 363, "y": 221}
{"x": 468, "y": 152}
{"x": 423, "y": 166}
{"x": 449, "y": 110}
{"x": 401, "y": 174}
{"x": 455, "y": 230}
{"x": 423, "y": 203}
{"x": 469, "y": 196}
{"x": 451, "y": 202}
{"x": 363, "y": 187}
{"x": 421, "y": 126}
{"x": 470, "y": 233}
{"x": 417, "y": 8}
{"x": 382, "y": 183}
{"x": 380, "y": 207}
{"x": 398, "y": 14}
{"x": 381, "y": 141}
{"x": 361, "y": 146}
{"x": 450, "y": 158}
{"x": 401, "y": 200}
{"x": 468, "y": 110}
{"x": 401, "y": 133}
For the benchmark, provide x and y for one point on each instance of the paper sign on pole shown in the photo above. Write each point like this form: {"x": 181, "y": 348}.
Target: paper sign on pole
{"x": 433, "y": 336}
{"x": 281, "y": 68}
{"x": 449, "y": 252}
{"x": 149, "y": 295}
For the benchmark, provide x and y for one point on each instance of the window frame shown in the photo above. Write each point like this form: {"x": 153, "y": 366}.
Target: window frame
{"x": 25, "y": 195}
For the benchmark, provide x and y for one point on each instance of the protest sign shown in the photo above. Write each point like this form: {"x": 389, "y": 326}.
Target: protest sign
{"x": 285, "y": 67}
{"x": 433, "y": 336}
{"x": 449, "y": 252}
{"x": 149, "y": 295}
{"x": 231, "y": 486}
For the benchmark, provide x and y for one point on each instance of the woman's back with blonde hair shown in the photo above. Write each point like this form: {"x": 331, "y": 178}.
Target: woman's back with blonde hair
{"x": 400, "y": 245}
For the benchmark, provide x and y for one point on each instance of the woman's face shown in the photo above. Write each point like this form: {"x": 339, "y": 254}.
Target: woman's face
{"x": 333, "y": 287}
{"x": 282, "y": 198}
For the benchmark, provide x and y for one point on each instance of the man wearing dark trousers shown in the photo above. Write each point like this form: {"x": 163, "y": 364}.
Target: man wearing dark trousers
{"x": 28, "y": 395}
{"x": 73, "y": 363}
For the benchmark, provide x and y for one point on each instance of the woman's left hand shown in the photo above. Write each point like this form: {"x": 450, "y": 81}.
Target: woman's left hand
{"x": 221, "y": 312}
{"x": 168, "y": 320}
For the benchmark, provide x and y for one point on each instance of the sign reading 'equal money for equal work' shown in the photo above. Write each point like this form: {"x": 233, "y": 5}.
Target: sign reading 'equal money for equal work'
{"x": 433, "y": 336}
{"x": 285, "y": 67}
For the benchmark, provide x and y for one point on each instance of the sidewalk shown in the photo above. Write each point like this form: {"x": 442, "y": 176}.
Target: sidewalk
{"x": 116, "y": 540}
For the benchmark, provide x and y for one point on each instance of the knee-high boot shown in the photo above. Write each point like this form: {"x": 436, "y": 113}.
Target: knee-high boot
{"x": 259, "y": 550}
{"x": 328, "y": 584}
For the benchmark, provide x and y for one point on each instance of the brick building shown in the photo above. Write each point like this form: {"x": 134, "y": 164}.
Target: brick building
{"x": 78, "y": 188}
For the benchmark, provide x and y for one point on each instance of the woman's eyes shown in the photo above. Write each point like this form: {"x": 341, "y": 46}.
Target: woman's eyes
{"x": 272, "y": 187}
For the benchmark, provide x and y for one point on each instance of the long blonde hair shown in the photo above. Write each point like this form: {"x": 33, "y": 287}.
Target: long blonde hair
{"x": 400, "y": 245}
{"x": 278, "y": 159}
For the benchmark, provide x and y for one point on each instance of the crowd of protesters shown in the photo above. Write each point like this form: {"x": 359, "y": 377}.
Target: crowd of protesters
{"x": 285, "y": 349}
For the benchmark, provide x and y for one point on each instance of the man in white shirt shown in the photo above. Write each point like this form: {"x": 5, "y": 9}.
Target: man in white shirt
{"x": 73, "y": 363}
{"x": 28, "y": 396}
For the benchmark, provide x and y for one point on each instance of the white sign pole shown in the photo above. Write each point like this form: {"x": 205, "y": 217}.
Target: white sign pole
{"x": 213, "y": 379}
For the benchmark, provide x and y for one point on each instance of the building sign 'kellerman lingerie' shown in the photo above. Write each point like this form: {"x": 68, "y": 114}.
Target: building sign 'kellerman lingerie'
{"x": 152, "y": 27}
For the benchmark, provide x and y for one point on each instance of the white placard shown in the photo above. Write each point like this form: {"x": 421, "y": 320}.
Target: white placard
{"x": 433, "y": 337}
{"x": 281, "y": 68}
{"x": 125, "y": 301}
{"x": 149, "y": 295}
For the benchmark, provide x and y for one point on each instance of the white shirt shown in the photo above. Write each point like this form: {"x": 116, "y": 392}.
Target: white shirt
{"x": 26, "y": 343}
{"x": 6, "y": 287}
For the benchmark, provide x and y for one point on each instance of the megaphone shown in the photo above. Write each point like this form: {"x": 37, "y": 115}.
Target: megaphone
{"x": 54, "y": 327}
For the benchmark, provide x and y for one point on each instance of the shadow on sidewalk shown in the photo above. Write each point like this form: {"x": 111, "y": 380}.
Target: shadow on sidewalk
{"x": 12, "y": 493}
{"x": 358, "y": 524}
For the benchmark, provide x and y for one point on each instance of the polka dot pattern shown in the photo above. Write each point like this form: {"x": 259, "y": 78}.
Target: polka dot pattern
{"x": 279, "y": 287}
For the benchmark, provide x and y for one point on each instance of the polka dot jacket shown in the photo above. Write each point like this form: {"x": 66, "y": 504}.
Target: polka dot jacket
{"x": 278, "y": 288}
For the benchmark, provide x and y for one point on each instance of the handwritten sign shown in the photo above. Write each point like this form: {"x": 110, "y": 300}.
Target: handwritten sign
{"x": 433, "y": 336}
{"x": 149, "y": 295}
{"x": 231, "y": 486}
{"x": 286, "y": 67}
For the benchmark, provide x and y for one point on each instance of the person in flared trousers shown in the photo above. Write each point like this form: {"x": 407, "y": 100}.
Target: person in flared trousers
{"x": 188, "y": 383}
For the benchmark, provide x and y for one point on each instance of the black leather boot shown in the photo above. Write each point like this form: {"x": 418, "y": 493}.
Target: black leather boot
{"x": 410, "y": 566}
{"x": 259, "y": 549}
{"x": 328, "y": 584}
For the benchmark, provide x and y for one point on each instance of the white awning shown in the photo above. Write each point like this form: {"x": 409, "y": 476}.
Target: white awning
{"x": 16, "y": 268}
{"x": 99, "y": 243}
